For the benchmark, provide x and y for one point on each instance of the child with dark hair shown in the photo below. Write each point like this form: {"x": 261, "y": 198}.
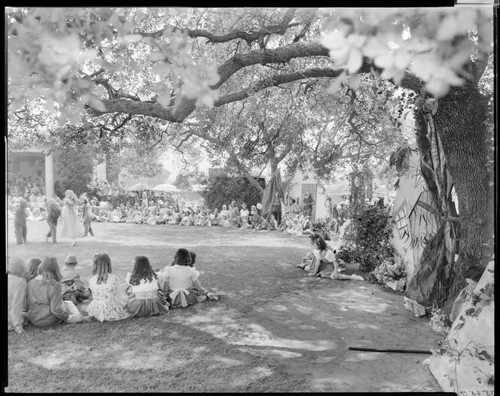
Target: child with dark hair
{"x": 209, "y": 295}
{"x": 106, "y": 304}
{"x": 180, "y": 281}
{"x": 44, "y": 297}
{"x": 193, "y": 258}
{"x": 322, "y": 259}
{"x": 144, "y": 295}
{"x": 32, "y": 270}
{"x": 325, "y": 261}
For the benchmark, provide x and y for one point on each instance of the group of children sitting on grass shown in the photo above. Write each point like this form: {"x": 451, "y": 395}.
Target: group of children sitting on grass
{"x": 43, "y": 295}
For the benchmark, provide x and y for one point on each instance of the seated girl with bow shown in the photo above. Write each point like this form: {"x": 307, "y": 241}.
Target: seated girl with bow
{"x": 180, "y": 281}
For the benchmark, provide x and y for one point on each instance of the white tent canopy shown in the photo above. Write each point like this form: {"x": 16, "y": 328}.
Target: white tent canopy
{"x": 165, "y": 188}
{"x": 138, "y": 187}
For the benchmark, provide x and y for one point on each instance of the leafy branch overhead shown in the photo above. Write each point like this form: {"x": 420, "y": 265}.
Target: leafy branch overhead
{"x": 165, "y": 63}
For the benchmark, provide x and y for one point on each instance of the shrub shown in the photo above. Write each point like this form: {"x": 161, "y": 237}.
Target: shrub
{"x": 390, "y": 271}
{"x": 74, "y": 170}
{"x": 367, "y": 240}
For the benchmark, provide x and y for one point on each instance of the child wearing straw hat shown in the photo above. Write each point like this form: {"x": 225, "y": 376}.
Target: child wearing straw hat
{"x": 73, "y": 288}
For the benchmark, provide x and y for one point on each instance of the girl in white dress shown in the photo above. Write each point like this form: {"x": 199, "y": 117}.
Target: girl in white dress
{"x": 321, "y": 261}
{"x": 71, "y": 227}
{"x": 107, "y": 296}
{"x": 144, "y": 295}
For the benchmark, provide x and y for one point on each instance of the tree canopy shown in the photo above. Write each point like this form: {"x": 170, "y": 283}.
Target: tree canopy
{"x": 232, "y": 78}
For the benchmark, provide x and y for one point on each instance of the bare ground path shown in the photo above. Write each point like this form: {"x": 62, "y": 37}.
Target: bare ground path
{"x": 274, "y": 330}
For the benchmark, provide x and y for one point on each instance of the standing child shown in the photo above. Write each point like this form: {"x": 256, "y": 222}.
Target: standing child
{"x": 180, "y": 281}
{"x": 106, "y": 304}
{"x": 87, "y": 217}
{"x": 144, "y": 295}
{"x": 276, "y": 207}
{"x": 71, "y": 227}
{"x": 16, "y": 294}
{"x": 307, "y": 205}
{"x": 20, "y": 226}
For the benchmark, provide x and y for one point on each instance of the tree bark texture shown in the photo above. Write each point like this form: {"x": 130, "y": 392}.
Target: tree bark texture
{"x": 461, "y": 123}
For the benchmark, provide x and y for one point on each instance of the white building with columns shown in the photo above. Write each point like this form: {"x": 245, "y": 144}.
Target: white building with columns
{"x": 34, "y": 162}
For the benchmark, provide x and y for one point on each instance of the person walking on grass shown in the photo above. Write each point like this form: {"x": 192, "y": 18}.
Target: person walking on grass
{"x": 53, "y": 214}
{"x": 307, "y": 205}
{"x": 20, "y": 226}
{"x": 71, "y": 227}
{"x": 87, "y": 216}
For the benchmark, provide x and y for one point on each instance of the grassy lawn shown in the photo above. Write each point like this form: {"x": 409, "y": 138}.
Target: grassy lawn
{"x": 274, "y": 329}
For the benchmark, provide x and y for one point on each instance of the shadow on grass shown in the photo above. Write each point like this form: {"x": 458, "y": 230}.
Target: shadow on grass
{"x": 137, "y": 354}
{"x": 274, "y": 330}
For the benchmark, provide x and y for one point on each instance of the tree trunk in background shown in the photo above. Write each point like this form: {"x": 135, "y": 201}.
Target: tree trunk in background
{"x": 461, "y": 123}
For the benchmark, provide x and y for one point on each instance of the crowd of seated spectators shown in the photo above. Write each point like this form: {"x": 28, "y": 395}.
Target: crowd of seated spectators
{"x": 110, "y": 203}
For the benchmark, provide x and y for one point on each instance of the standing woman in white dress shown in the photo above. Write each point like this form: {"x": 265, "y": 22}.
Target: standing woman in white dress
{"x": 71, "y": 227}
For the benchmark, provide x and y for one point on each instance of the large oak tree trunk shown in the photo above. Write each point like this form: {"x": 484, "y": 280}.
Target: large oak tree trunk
{"x": 461, "y": 123}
